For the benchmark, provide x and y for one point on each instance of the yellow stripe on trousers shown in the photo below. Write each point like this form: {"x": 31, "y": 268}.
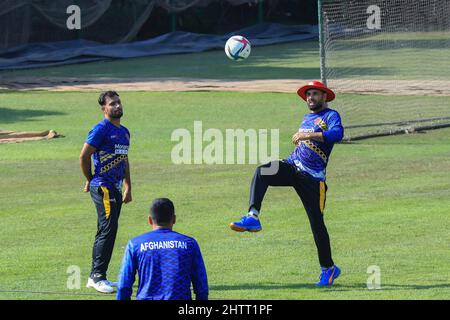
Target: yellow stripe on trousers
{"x": 106, "y": 203}
{"x": 322, "y": 196}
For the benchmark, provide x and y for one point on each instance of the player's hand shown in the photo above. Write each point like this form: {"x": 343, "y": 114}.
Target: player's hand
{"x": 297, "y": 137}
{"x": 87, "y": 185}
{"x": 127, "y": 196}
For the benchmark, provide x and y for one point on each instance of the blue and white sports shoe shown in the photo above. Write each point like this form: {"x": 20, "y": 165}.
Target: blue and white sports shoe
{"x": 327, "y": 276}
{"x": 247, "y": 223}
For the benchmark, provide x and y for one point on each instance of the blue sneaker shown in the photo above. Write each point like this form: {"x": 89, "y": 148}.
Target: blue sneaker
{"x": 327, "y": 276}
{"x": 247, "y": 223}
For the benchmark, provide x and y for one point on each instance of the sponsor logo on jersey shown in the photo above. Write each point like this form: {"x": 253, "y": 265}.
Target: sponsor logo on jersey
{"x": 121, "y": 149}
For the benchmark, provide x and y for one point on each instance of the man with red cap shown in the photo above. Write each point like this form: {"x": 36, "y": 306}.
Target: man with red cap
{"x": 304, "y": 170}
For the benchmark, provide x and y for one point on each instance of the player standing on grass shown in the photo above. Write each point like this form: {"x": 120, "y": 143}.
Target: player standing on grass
{"x": 304, "y": 170}
{"x": 108, "y": 143}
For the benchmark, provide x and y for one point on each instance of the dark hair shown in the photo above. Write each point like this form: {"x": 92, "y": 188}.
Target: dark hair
{"x": 162, "y": 211}
{"x": 103, "y": 95}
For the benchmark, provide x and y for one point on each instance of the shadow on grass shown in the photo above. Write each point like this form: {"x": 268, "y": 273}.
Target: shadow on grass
{"x": 67, "y": 293}
{"x": 385, "y": 44}
{"x": 335, "y": 287}
{"x": 8, "y": 115}
{"x": 268, "y": 286}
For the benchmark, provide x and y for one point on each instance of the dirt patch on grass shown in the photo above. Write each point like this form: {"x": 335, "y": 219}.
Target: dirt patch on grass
{"x": 383, "y": 87}
{"x": 14, "y": 137}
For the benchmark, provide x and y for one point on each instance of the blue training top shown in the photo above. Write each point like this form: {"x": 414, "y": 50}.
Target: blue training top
{"x": 311, "y": 156}
{"x": 166, "y": 262}
{"x": 112, "y": 145}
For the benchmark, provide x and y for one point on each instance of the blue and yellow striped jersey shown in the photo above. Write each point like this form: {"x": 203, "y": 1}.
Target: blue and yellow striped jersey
{"x": 311, "y": 156}
{"x": 111, "y": 143}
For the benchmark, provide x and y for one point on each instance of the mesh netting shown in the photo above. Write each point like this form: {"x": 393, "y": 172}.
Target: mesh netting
{"x": 392, "y": 57}
{"x": 30, "y": 21}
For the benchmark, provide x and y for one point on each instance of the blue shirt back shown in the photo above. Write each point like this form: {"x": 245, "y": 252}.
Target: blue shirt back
{"x": 167, "y": 263}
{"x": 312, "y": 156}
{"x": 112, "y": 145}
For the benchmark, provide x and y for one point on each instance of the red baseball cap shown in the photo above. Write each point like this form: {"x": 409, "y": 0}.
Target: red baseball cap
{"x": 316, "y": 85}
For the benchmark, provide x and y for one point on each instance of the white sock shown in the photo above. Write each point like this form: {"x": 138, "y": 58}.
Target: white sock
{"x": 254, "y": 213}
{"x": 326, "y": 269}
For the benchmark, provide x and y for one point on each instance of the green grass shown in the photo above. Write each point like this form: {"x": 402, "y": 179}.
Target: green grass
{"x": 387, "y": 203}
{"x": 391, "y": 56}
{"x": 386, "y": 56}
{"x": 295, "y": 60}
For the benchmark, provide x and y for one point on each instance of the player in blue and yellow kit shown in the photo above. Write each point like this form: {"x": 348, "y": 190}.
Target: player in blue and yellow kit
{"x": 107, "y": 144}
{"x": 167, "y": 262}
{"x": 304, "y": 170}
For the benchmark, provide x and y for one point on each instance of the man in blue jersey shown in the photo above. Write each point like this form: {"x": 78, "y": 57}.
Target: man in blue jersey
{"x": 304, "y": 170}
{"x": 107, "y": 143}
{"x": 166, "y": 262}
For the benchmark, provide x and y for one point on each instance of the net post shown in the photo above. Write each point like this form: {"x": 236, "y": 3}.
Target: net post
{"x": 321, "y": 42}
{"x": 173, "y": 22}
{"x": 260, "y": 11}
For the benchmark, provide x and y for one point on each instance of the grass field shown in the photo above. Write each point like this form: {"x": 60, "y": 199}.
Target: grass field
{"x": 387, "y": 203}
{"x": 296, "y": 60}
{"x": 396, "y": 56}
{"x": 400, "y": 56}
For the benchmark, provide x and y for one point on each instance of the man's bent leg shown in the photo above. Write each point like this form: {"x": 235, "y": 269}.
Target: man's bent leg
{"x": 284, "y": 176}
{"x": 275, "y": 173}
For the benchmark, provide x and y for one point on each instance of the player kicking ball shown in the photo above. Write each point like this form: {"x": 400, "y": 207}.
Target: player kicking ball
{"x": 304, "y": 170}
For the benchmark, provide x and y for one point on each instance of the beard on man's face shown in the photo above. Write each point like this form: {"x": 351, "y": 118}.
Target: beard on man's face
{"x": 315, "y": 101}
{"x": 115, "y": 114}
{"x": 315, "y": 105}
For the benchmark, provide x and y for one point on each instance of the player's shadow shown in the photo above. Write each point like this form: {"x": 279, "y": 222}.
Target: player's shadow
{"x": 415, "y": 286}
{"x": 335, "y": 287}
{"x": 397, "y": 44}
{"x": 262, "y": 286}
{"x": 8, "y": 115}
